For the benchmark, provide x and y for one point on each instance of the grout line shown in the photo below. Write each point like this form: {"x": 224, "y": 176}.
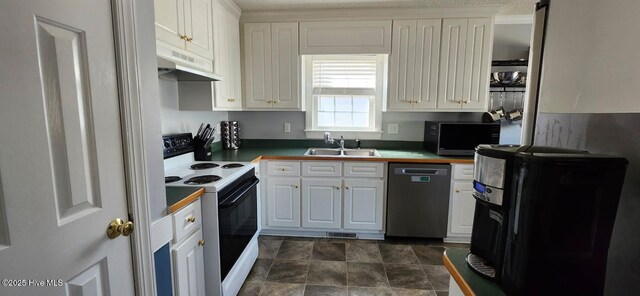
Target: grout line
{"x": 422, "y": 268}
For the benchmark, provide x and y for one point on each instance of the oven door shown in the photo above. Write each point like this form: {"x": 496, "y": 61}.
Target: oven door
{"x": 238, "y": 222}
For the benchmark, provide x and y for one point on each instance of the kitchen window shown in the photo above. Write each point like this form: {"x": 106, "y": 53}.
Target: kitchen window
{"x": 344, "y": 95}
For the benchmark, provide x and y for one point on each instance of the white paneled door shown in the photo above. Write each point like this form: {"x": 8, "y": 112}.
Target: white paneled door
{"x": 61, "y": 159}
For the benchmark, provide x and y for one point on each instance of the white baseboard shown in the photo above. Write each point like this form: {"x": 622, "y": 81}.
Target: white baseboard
{"x": 319, "y": 233}
{"x": 457, "y": 239}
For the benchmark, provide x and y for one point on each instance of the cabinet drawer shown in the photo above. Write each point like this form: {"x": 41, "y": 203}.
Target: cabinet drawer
{"x": 283, "y": 168}
{"x": 186, "y": 221}
{"x": 364, "y": 169}
{"x": 462, "y": 171}
{"x": 321, "y": 169}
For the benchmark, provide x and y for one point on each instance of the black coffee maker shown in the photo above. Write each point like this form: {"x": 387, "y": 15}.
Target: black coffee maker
{"x": 492, "y": 189}
{"x": 544, "y": 218}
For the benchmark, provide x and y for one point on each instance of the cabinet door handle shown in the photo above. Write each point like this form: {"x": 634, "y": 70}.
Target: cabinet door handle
{"x": 457, "y": 190}
{"x": 183, "y": 37}
{"x": 337, "y": 188}
{"x": 201, "y": 242}
{"x": 189, "y": 39}
{"x": 191, "y": 219}
{"x": 295, "y": 186}
{"x": 347, "y": 188}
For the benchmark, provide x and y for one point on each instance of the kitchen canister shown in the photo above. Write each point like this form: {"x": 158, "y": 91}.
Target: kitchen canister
{"x": 230, "y": 135}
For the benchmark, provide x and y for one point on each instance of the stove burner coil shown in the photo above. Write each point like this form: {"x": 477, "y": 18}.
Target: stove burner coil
{"x": 204, "y": 166}
{"x": 202, "y": 179}
{"x": 232, "y": 165}
{"x": 170, "y": 179}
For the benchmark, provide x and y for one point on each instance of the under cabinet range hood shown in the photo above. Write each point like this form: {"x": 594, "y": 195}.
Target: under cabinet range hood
{"x": 184, "y": 73}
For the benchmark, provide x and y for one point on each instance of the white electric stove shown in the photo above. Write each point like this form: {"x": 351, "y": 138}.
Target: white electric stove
{"x": 184, "y": 171}
{"x": 229, "y": 212}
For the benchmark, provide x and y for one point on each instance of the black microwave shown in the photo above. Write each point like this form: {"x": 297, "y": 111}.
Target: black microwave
{"x": 459, "y": 138}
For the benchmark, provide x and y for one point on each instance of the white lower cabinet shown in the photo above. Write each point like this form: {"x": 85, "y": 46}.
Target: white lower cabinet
{"x": 283, "y": 202}
{"x": 347, "y": 196}
{"x": 187, "y": 251}
{"x": 188, "y": 259}
{"x": 463, "y": 207}
{"x": 363, "y": 202}
{"x": 461, "y": 204}
{"x": 321, "y": 203}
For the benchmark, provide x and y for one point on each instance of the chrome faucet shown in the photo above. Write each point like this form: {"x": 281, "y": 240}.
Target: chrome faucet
{"x": 329, "y": 140}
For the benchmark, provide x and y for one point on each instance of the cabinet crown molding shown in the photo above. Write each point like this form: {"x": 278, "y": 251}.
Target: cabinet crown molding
{"x": 232, "y": 6}
{"x": 296, "y": 15}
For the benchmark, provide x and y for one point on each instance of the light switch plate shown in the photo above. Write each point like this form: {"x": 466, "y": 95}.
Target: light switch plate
{"x": 392, "y": 128}
{"x": 287, "y": 127}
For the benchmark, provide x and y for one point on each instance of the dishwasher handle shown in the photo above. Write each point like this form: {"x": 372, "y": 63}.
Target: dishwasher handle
{"x": 420, "y": 171}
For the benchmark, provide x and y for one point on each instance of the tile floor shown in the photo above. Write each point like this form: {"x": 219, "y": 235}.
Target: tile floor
{"x": 319, "y": 266}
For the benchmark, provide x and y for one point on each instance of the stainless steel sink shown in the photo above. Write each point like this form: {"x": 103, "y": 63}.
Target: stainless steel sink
{"x": 323, "y": 152}
{"x": 362, "y": 152}
{"x": 343, "y": 153}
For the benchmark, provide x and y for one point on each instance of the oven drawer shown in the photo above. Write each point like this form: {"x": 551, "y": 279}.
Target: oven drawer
{"x": 284, "y": 168}
{"x": 186, "y": 221}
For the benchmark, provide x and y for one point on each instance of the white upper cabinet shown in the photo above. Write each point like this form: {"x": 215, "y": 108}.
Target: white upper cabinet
{"x": 285, "y": 66}
{"x": 271, "y": 66}
{"x": 198, "y": 27}
{"x": 414, "y": 60}
{"x": 477, "y": 63}
{"x": 182, "y": 27}
{"x": 226, "y": 29}
{"x": 465, "y": 62}
{"x": 169, "y": 17}
{"x": 345, "y": 37}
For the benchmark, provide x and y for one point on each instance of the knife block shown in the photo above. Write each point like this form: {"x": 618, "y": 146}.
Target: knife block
{"x": 199, "y": 152}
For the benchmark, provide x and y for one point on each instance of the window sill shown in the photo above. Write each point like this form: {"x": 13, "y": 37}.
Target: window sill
{"x": 360, "y": 135}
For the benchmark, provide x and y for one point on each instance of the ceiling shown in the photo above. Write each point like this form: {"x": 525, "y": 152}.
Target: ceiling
{"x": 509, "y": 7}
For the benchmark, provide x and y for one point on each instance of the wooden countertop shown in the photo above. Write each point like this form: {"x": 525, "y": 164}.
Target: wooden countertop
{"x": 468, "y": 280}
{"x": 179, "y": 197}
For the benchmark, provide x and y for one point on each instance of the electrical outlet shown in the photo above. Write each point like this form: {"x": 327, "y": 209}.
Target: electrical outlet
{"x": 287, "y": 127}
{"x": 392, "y": 128}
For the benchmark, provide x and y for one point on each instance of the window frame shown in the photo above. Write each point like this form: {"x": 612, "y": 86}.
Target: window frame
{"x": 374, "y": 131}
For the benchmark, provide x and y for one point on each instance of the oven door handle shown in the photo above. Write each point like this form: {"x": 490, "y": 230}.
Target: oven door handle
{"x": 239, "y": 193}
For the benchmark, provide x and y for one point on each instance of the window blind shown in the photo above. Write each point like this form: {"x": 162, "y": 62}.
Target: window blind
{"x": 333, "y": 75}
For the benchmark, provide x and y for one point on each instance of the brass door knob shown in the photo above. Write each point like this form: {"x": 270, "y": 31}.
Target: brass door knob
{"x": 457, "y": 190}
{"x": 189, "y": 39}
{"x": 201, "y": 242}
{"x": 191, "y": 219}
{"x": 183, "y": 37}
{"x": 118, "y": 227}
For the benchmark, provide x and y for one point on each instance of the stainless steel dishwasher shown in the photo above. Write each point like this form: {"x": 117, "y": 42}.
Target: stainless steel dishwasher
{"x": 418, "y": 200}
